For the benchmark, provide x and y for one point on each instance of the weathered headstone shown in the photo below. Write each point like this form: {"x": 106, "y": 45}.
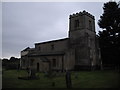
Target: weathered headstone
{"x": 32, "y": 74}
{"x": 76, "y": 76}
{"x": 45, "y": 74}
{"x": 68, "y": 80}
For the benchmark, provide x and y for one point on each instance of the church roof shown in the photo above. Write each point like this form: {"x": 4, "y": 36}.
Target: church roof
{"x": 52, "y": 41}
{"x": 26, "y": 49}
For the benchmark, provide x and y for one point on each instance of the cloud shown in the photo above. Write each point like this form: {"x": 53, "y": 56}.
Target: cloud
{"x": 27, "y": 23}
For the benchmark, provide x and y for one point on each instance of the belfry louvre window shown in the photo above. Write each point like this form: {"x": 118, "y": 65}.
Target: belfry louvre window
{"x": 76, "y": 23}
{"x": 90, "y": 25}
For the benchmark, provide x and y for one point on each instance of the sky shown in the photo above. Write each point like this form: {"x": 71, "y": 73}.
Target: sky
{"x": 27, "y": 23}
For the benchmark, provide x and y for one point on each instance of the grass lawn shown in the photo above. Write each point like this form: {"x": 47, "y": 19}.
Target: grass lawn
{"x": 85, "y": 79}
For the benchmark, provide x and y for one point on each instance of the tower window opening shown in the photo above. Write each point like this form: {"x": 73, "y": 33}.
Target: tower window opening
{"x": 90, "y": 25}
{"x": 76, "y": 24}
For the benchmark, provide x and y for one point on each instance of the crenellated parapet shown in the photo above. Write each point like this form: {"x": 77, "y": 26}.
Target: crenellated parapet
{"x": 80, "y": 14}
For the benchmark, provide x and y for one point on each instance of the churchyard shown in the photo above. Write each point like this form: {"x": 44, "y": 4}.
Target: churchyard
{"x": 81, "y": 79}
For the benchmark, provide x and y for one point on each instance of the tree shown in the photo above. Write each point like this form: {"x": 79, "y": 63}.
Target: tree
{"x": 109, "y": 38}
{"x": 12, "y": 63}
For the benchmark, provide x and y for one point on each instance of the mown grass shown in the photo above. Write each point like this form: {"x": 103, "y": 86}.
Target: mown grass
{"x": 84, "y": 79}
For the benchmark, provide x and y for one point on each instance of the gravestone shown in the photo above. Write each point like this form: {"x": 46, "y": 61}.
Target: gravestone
{"x": 32, "y": 74}
{"x": 76, "y": 76}
{"x": 68, "y": 79}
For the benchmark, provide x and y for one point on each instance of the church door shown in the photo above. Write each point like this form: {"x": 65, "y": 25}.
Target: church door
{"x": 37, "y": 66}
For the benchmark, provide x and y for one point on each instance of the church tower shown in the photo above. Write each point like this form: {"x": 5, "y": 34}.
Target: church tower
{"x": 83, "y": 39}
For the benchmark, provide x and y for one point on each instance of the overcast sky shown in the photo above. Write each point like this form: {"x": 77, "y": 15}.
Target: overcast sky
{"x": 24, "y": 24}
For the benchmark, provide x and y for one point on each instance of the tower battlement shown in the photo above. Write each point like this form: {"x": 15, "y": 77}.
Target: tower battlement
{"x": 80, "y": 14}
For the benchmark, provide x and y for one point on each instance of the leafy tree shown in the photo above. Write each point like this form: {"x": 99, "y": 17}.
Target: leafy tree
{"x": 12, "y": 63}
{"x": 109, "y": 38}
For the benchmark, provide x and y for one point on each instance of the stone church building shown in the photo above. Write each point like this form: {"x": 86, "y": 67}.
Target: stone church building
{"x": 79, "y": 51}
